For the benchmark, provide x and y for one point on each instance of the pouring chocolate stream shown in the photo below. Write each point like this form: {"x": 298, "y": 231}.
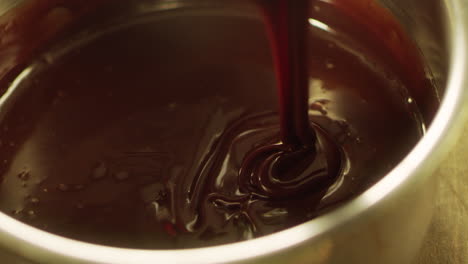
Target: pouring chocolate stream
{"x": 306, "y": 159}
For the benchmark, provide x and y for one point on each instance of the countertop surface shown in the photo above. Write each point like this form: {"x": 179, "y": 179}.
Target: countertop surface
{"x": 447, "y": 238}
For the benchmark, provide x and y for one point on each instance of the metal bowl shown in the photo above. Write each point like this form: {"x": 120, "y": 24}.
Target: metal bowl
{"x": 386, "y": 224}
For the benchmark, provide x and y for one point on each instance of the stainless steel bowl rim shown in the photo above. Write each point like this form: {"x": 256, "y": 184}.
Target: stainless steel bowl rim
{"x": 421, "y": 160}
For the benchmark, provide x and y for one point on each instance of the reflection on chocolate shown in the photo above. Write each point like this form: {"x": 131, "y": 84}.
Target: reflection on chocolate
{"x": 151, "y": 134}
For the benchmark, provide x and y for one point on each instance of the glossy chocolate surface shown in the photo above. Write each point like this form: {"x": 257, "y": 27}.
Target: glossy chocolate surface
{"x": 136, "y": 135}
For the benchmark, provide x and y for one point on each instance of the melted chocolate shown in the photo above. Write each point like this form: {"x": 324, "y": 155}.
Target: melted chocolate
{"x": 305, "y": 159}
{"x": 116, "y": 136}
